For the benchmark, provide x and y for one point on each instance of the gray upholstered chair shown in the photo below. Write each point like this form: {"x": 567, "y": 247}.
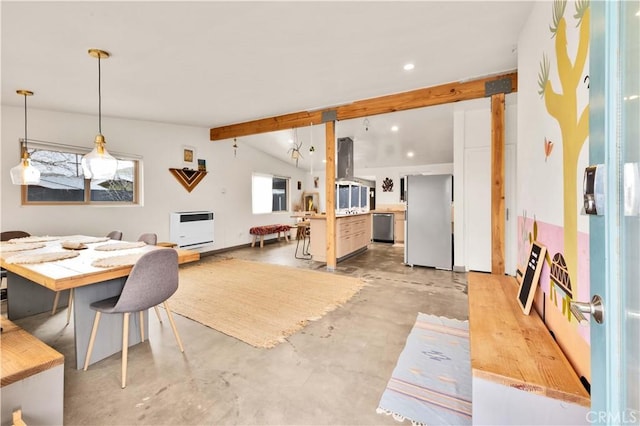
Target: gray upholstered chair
{"x": 150, "y": 239}
{"x": 115, "y": 235}
{"x": 153, "y": 279}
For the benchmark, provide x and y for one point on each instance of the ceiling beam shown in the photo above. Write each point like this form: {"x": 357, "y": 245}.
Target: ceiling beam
{"x": 265, "y": 125}
{"x": 419, "y": 98}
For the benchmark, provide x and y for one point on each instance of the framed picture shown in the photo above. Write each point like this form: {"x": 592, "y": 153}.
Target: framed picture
{"x": 202, "y": 164}
{"x": 189, "y": 157}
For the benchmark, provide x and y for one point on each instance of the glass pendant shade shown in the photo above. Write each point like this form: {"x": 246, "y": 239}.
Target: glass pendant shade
{"x": 99, "y": 164}
{"x": 24, "y": 173}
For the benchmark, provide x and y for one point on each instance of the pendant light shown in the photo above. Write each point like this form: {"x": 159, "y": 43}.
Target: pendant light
{"x": 99, "y": 164}
{"x": 24, "y": 173}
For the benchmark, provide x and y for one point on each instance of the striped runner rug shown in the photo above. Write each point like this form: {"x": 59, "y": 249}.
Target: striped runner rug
{"x": 431, "y": 383}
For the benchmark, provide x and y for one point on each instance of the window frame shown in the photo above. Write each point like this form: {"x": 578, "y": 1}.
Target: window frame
{"x": 287, "y": 192}
{"x": 71, "y": 149}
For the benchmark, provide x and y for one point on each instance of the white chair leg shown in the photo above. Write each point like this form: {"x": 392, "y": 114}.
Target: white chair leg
{"x": 70, "y": 305}
{"x": 125, "y": 347}
{"x": 92, "y": 339}
{"x": 55, "y": 303}
{"x": 142, "y": 326}
{"x": 173, "y": 326}
{"x": 158, "y": 313}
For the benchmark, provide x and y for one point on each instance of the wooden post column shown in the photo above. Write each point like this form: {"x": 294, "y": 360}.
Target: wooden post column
{"x": 330, "y": 193}
{"x": 497, "y": 184}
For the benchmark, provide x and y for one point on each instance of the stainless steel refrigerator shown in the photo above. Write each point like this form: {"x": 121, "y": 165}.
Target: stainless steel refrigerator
{"x": 428, "y": 231}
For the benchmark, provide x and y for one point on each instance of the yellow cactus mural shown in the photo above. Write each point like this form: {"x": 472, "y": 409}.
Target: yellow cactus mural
{"x": 562, "y": 104}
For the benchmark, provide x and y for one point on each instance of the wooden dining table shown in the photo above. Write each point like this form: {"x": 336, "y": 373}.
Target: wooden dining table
{"x": 31, "y": 289}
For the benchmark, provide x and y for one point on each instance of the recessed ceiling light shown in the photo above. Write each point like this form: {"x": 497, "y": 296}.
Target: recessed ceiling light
{"x": 410, "y": 154}
{"x": 638, "y": 13}
{"x": 409, "y": 67}
{"x": 394, "y": 128}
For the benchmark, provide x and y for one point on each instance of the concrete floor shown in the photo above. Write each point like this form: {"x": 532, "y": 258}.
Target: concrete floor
{"x": 332, "y": 372}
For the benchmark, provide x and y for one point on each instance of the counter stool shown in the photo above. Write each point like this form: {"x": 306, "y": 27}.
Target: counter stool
{"x": 304, "y": 234}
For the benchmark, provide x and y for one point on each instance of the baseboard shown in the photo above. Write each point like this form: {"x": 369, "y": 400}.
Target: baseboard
{"x": 239, "y": 246}
{"x": 457, "y": 268}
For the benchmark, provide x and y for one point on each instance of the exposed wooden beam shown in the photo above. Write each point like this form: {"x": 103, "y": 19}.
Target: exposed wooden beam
{"x": 265, "y": 125}
{"x": 497, "y": 184}
{"x": 419, "y": 98}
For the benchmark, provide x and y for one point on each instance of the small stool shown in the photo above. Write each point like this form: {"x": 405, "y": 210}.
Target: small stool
{"x": 304, "y": 233}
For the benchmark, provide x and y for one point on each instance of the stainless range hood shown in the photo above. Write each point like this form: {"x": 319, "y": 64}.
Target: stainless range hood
{"x": 345, "y": 164}
{"x": 345, "y": 159}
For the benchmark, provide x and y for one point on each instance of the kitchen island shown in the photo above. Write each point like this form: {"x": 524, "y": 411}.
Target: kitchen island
{"x": 353, "y": 235}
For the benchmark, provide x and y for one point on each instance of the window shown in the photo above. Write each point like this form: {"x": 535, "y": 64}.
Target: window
{"x": 351, "y": 197}
{"x": 62, "y": 180}
{"x": 269, "y": 194}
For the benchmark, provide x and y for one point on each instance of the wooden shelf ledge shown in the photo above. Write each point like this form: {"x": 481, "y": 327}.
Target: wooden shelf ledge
{"x": 513, "y": 349}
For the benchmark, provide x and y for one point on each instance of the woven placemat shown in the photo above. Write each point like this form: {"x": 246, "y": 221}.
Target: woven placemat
{"x": 83, "y": 239}
{"x": 10, "y": 247}
{"x": 110, "y": 262}
{"x": 33, "y": 239}
{"x": 120, "y": 246}
{"x": 41, "y": 257}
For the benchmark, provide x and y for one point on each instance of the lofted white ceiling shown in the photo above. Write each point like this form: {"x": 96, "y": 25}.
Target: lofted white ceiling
{"x": 213, "y": 63}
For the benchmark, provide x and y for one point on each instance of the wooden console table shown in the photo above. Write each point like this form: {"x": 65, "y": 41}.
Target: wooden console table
{"x": 520, "y": 374}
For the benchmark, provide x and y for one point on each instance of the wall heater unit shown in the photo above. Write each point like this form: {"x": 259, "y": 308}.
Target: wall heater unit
{"x": 191, "y": 230}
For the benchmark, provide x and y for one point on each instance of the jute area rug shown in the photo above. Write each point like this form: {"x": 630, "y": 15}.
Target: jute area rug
{"x": 260, "y": 304}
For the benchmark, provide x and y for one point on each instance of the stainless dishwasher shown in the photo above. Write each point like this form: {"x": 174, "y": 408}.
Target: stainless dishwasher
{"x": 383, "y": 227}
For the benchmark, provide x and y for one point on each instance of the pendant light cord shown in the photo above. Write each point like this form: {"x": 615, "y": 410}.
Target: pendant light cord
{"x": 99, "y": 99}
{"x": 25, "y": 121}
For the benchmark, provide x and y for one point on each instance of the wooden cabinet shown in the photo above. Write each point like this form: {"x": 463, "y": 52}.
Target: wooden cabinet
{"x": 353, "y": 233}
{"x": 398, "y": 227}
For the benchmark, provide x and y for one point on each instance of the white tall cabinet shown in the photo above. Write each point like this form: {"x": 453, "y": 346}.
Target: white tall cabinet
{"x": 472, "y": 186}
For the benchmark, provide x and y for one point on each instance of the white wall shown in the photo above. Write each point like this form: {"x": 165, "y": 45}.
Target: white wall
{"x": 226, "y": 190}
{"x": 395, "y": 174}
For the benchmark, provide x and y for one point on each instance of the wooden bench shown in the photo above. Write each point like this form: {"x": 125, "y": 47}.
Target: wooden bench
{"x": 519, "y": 373}
{"x": 263, "y": 230}
{"x": 32, "y": 377}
